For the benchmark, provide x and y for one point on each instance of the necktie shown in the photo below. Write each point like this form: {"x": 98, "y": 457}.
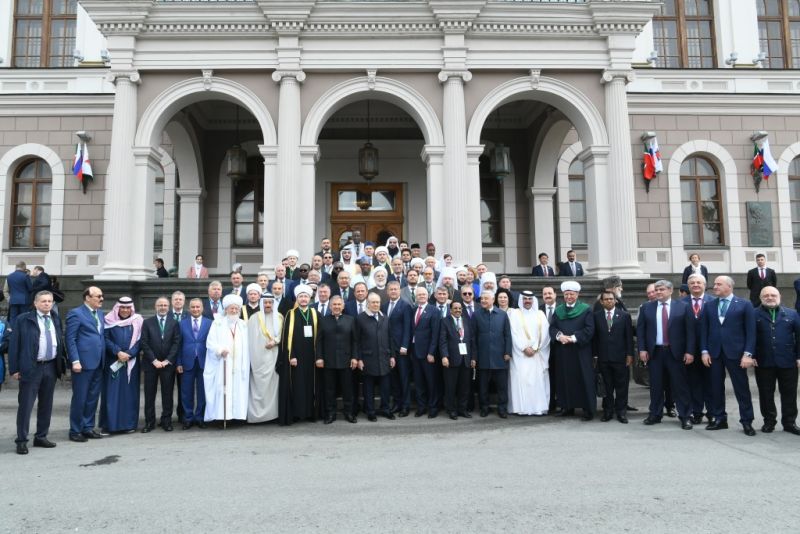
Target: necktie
{"x": 377, "y": 317}
{"x": 360, "y": 307}
{"x": 48, "y": 339}
{"x": 96, "y": 320}
{"x": 322, "y": 311}
{"x": 609, "y": 320}
{"x": 177, "y": 316}
{"x": 544, "y": 270}
{"x": 391, "y": 308}
{"x": 195, "y": 328}
{"x": 441, "y": 309}
{"x": 214, "y": 307}
{"x": 460, "y": 329}
{"x": 664, "y": 324}
{"x": 344, "y": 295}
{"x": 549, "y": 314}
{"x": 762, "y": 273}
{"x": 723, "y": 307}
{"x": 419, "y": 314}
{"x": 161, "y": 325}
{"x": 696, "y": 306}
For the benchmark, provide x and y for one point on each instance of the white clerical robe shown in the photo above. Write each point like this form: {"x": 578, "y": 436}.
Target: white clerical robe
{"x": 261, "y": 330}
{"x": 528, "y": 379}
{"x": 235, "y": 371}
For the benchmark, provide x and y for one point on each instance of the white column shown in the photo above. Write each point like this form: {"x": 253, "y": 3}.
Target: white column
{"x": 471, "y": 216}
{"x": 622, "y": 216}
{"x": 599, "y": 238}
{"x": 126, "y": 198}
{"x": 290, "y": 200}
{"x": 305, "y": 217}
{"x": 433, "y": 156}
{"x": 542, "y": 217}
{"x": 271, "y": 223}
{"x": 462, "y": 240}
{"x": 190, "y": 228}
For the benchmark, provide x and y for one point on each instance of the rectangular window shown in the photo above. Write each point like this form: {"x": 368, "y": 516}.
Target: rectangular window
{"x": 577, "y": 211}
{"x": 491, "y": 228}
{"x": 684, "y": 34}
{"x": 44, "y": 33}
{"x": 158, "y": 216}
{"x": 779, "y": 33}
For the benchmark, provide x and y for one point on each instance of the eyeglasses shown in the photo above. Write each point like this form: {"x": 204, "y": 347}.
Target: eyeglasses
{"x": 302, "y": 270}
{"x": 467, "y": 293}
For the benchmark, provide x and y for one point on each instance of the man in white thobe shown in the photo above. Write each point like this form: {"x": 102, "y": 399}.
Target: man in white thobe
{"x": 226, "y": 376}
{"x": 264, "y": 336}
{"x": 528, "y": 380}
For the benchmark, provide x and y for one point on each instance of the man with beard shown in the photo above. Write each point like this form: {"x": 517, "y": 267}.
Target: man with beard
{"x": 296, "y": 365}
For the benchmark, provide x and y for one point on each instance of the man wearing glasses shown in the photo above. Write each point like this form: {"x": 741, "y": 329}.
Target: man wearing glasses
{"x": 85, "y": 343}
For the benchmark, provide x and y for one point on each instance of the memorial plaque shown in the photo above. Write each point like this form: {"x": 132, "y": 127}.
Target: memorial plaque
{"x": 759, "y": 223}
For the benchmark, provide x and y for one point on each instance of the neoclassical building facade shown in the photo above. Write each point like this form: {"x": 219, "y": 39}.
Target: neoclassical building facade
{"x": 504, "y": 128}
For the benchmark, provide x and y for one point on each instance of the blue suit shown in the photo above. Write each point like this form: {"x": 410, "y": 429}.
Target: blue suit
{"x": 539, "y": 271}
{"x": 493, "y": 343}
{"x": 192, "y": 358}
{"x": 777, "y": 353}
{"x": 697, "y": 374}
{"x": 425, "y": 341}
{"x": 400, "y": 330}
{"x": 86, "y": 344}
{"x": 726, "y": 343}
{"x": 667, "y": 358}
{"x": 19, "y": 289}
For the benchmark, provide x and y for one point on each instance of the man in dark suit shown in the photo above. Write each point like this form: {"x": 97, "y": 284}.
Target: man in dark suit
{"x": 665, "y": 331}
{"x": 40, "y": 281}
{"x": 237, "y": 286}
{"x": 212, "y": 306}
{"x": 336, "y": 345}
{"x": 190, "y": 364}
{"x": 407, "y": 292}
{"x": 342, "y": 287}
{"x": 424, "y": 342}
{"x": 778, "y": 357}
{"x": 728, "y": 342}
{"x": 571, "y": 267}
{"x": 375, "y": 353}
{"x": 161, "y": 340}
{"x": 358, "y": 303}
{"x": 398, "y": 312}
{"x": 281, "y": 301}
{"x": 542, "y": 269}
{"x": 493, "y": 342}
{"x": 760, "y": 277}
{"x": 36, "y": 366}
{"x": 323, "y": 305}
{"x": 86, "y": 345}
{"x": 697, "y": 374}
{"x": 19, "y": 290}
{"x": 458, "y": 353}
{"x": 326, "y": 248}
{"x": 288, "y": 283}
{"x": 613, "y": 348}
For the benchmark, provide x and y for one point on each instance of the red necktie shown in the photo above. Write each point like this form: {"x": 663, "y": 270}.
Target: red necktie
{"x": 419, "y": 314}
{"x": 544, "y": 270}
{"x": 762, "y": 273}
{"x": 696, "y": 306}
{"x": 664, "y": 325}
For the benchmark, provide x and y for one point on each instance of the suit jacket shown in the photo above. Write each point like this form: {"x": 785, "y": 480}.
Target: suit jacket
{"x": 680, "y": 328}
{"x": 285, "y": 305}
{"x": 425, "y": 333}
{"x": 493, "y": 338}
{"x": 333, "y": 253}
{"x": 406, "y": 294}
{"x": 734, "y": 336}
{"x": 207, "y": 311}
{"x": 84, "y": 342}
{"x": 154, "y": 347}
{"x": 19, "y": 288}
{"x": 394, "y": 278}
{"x": 40, "y": 283}
{"x": 538, "y": 271}
{"x": 564, "y": 269}
{"x": 193, "y": 350}
{"x": 615, "y": 344}
{"x": 24, "y": 344}
{"x": 288, "y": 288}
{"x": 182, "y": 315}
{"x": 449, "y": 341}
{"x": 351, "y": 307}
{"x": 336, "y": 341}
{"x": 797, "y": 295}
{"x": 698, "y": 319}
{"x": 778, "y": 342}
{"x": 317, "y": 306}
{"x": 399, "y": 323}
{"x": 231, "y": 291}
{"x": 374, "y": 344}
{"x": 687, "y": 272}
{"x": 755, "y": 284}
{"x": 203, "y": 272}
{"x": 336, "y": 290}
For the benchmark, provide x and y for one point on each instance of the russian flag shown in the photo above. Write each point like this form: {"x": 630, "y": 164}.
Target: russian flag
{"x": 763, "y": 160}
{"x": 651, "y": 164}
{"x": 82, "y": 166}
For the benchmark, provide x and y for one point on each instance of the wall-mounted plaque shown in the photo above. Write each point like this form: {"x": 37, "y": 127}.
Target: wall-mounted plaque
{"x": 759, "y": 223}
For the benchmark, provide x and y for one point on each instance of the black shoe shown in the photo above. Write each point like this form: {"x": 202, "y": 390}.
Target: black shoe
{"x": 187, "y": 425}
{"x": 453, "y": 416}
{"x": 502, "y": 415}
{"x": 148, "y": 428}
{"x": 622, "y": 419}
{"x": 651, "y": 420}
{"x": 43, "y": 442}
{"x": 420, "y": 413}
{"x": 167, "y": 427}
{"x": 371, "y": 417}
{"x": 78, "y": 438}
{"x": 686, "y": 424}
{"x": 768, "y": 428}
{"x": 717, "y": 425}
{"x": 433, "y": 414}
{"x": 557, "y": 412}
{"x": 606, "y": 417}
{"x": 630, "y": 408}
{"x": 328, "y": 420}
{"x": 350, "y": 418}
{"x": 388, "y": 415}
{"x": 484, "y": 412}
{"x": 396, "y": 409}
{"x": 567, "y": 413}
{"x": 672, "y": 412}
{"x": 22, "y": 448}
{"x": 403, "y": 413}
{"x": 201, "y": 424}
{"x": 748, "y": 429}
{"x": 792, "y": 429}
{"x": 92, "y": 435}
{"x": 587, "y": 417}
{"x": 465, "y": 414}
{"x": 697, "y": 419}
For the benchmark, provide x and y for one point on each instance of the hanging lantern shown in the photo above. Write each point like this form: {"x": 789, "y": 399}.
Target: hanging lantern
{"x": 500, "y": 161}
{"x": 368, "y": 156}
{"x": 236, "y": 156}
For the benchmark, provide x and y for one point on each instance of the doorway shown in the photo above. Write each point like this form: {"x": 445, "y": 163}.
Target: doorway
{"x": 374, "y": 209}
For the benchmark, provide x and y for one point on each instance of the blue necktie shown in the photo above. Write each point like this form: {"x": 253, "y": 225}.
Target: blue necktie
{"x": 723, "y": 307}
{"x": 48, "y": 339}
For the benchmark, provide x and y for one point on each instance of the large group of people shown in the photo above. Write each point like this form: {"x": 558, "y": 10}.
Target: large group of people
{"x": 368, "y": 323}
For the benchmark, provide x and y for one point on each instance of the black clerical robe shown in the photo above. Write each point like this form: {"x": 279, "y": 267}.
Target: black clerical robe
{"x": 298, "y": 385}
{"x": 575, "y": 380}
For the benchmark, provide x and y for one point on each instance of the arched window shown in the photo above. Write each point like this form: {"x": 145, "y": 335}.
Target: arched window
{"x": 30, "y": 210}
{"x": 684, "y": 34}
{"x": 701, "y": 203}
{"x": 248, "y": 206}
{"x": 779, "y": 32}
{"x": 577, "y": 204}
{"x": 794, "y": 198}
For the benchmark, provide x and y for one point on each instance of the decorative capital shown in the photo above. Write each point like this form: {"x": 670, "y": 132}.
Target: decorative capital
{"x": 131, "y": 75}
{"x": 446, "y": 74}
{"x": 298, "y": 75}
{"x": 535, "y": 74}
{"x": 207, "y": 78}
{"x": 625, "y": 75}
{"x": 371, "y": 78}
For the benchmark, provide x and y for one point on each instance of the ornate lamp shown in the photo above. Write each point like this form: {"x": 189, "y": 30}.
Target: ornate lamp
{"x": 236, "y": 156}
{"x": 368, "y": 156}
{"x": 500, "y": 157}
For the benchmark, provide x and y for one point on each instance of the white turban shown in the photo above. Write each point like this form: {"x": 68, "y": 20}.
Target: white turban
{"x": 488, "y": 277}
{"x": 382, "y": 249}
{"x": 416, "y": 261}
{"x": 254, "y": 287}
{"x": 303, "y": 288}
{"x": 570, "y": 285}
{"x": 292, "y": 252}
{"x": 230, "y": 300}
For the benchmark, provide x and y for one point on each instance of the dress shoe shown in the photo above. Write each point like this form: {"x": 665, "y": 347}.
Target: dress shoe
{"x": 651, "y": 420}
{"x": 465, "y": 414}
{"x": 717, "y": 425}
{"x": 371, "y": 417}
{"x": 420, "y": 413}
{"x": 792, "y": 429}
{"x": 388, "y": 415}
{"x": 622, "y": 419}
{"x": 330, "y": 419}
{"x": 44, "y": 443}
{"x": 630, "y": 408}
{"x": 187, "y": 425}
{"x": 22, "y": 448}
{"x": 104, "y": 433}
{"x": 453, "y": 416}
{"x": 78, "y": 438}
{"x": 350, "y": 418}
{"x": 686, "y": 424}
{"x": 697, "y": 419}
{"x": 403, "y": 413}
{"x": 502, "y": 415}
{"x": 433, "y": 414}
{"x": 672, "y": 412}
{"x": 748, "y": 429}
{"x": 768, "y": 427}
{"x": 147, "y": 428}
{"x": 396, "y": 409}
{"x": 167, "y": 427}
{"x": 484, "y": 412}
{"x": 587, "y": 417}
{"x": 92, "y": 435}
{"x": 606, "y": 417}
{"x": 202, "y": 424}
{"x": 567, "y": 413}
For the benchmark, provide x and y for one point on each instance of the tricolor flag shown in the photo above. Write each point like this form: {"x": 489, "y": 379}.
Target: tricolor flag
{"x": 81, "y": 166}
{"x": 651, "y": 163}
{"x": 763, "y": 161}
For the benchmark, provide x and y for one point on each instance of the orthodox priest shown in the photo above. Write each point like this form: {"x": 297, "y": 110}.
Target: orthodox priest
{"x": 296, "y": 364}
{"x": 529, "y": 382}
{"x": 572, "y": 329}
{"x": 226, "y": 377}
{"x": 264, "y": 337}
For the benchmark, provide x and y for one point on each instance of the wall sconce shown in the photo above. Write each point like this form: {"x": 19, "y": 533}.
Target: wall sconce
{"x": 759, "y": 60}
{"x": 77, "y": 56}
{"x": 732, "y": 59}
{"x": 652, "y": 58}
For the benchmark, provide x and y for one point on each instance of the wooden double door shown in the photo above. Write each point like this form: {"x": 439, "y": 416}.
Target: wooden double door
{"x": 376, "y": 210}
